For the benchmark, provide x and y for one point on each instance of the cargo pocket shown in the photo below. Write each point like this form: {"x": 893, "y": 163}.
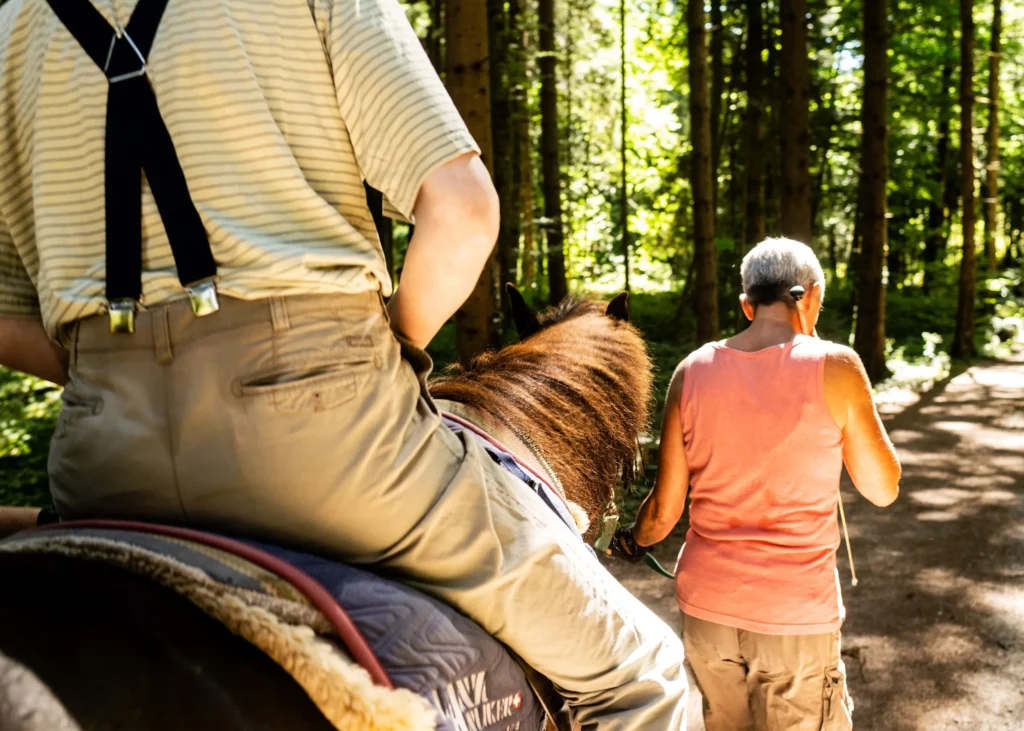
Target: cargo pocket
{"x": 75, "y": 407}
{"x": 837, "y": 705}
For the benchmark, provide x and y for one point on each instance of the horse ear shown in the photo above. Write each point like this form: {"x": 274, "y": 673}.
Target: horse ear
{"x": 522, "y": 316}
{"x": 618, "y": 308}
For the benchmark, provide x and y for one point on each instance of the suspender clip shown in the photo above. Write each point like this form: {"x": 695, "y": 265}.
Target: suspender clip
{"x": 203, "y": 296}
{"x": 122, "y": 316}
{"x": 140, "y": 71}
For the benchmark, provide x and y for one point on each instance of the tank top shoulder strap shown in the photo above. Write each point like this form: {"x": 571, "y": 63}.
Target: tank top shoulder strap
{"x": 692, "y": 366}
{"x": 809, "y": 355}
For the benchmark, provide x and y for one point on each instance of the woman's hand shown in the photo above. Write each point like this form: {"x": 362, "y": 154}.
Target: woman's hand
{"x": 624, "y": 546}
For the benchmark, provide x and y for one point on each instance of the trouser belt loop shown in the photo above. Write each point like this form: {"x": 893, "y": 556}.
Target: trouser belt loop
{"x": 162, "y": 336}
{"x": 279, "y": 315}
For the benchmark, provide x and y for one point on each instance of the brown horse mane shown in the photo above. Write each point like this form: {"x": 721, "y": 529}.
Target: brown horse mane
{"x": 578, "y": 387}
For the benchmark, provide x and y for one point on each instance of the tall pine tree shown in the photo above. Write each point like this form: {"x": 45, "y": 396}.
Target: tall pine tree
{"x": 963, "y": 338}
{"x": 551, "y": 167}
{"x": 700, "y": 176}
{"x": 869, "y": 338}
{"x": 467, "y": 77}
{"x": 795, "y": 126}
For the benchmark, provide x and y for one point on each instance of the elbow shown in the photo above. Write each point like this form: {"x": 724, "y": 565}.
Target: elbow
{"x": 888, "y": 497}
{"x": 480, "y": 208}
{"x": 891, "y": 491}
{"x": 655, "y": 524}
{"x": 460, "y": 201}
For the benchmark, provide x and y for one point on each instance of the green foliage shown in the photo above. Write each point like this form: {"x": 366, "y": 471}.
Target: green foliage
{"x": 28, "y": 412}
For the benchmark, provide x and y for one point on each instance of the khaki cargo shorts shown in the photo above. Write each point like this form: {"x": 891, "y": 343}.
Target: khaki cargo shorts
{"x": 757, "y": 682}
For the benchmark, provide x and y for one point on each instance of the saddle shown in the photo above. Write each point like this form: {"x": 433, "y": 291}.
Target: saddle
{"x": 370, "y": 652}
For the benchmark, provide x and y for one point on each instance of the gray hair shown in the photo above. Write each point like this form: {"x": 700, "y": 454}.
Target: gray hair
{"x": 772, "y": 267}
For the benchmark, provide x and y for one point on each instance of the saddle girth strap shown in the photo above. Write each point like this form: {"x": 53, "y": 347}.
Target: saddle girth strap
{"x": 137, "y": 141}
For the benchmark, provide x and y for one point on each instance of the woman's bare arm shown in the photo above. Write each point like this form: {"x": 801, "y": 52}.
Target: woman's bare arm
{"x": 664, "y": 505}
{"x": 867, "y": 452}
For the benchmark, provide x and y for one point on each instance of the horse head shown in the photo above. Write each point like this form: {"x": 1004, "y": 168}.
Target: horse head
{"x": 575, "y": 389}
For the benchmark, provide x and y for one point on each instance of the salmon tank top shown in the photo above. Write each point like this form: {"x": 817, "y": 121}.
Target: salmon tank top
{"x": 765, "y": 460}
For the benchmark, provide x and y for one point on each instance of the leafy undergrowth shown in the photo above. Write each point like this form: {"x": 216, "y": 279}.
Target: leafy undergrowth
{"x": 28, "y": 414}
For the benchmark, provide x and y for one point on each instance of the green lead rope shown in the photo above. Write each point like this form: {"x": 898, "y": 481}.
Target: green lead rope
{"x": 655, "y": 565}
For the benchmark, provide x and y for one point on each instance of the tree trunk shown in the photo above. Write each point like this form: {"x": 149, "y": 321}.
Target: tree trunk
{"x": 935, "y": 240}
{"x": 700, "y": 177}
{"x": 468, "y": 82}
{"x": 502, "y": 43}
{"x": 524, "y": 148}
{"x": 549, "y": 149}
{"x": 963, "y": 340}
{"x": 436, "y": 34}
{"x": 827, "y": 110}
{"x": 952, "y": 196}
{"x": 754, "y": 130}
{"x": 992, "y": 135}
{"x": 772, "y": 103}
{"x": 833, "y": 253}
{"x": 624, "y": 183}
{"x": 568, "y": 135}
{"x": 530, "y": 253}
{"x": 869, "y": 338}
{"x": 717, "y": 90}
{"x": 794, "y": 129}
{"x": 731, "y": 224}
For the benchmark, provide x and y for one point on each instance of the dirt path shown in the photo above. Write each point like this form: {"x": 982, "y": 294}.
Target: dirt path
{"x": 934, "y": 638}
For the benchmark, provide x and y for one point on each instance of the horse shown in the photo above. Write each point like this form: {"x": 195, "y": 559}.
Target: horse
{"x": 572, "y": 397}
{"x": 570, "y": 400}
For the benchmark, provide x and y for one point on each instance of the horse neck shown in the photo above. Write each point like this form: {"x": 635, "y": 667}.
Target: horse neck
{"x": 507, "y": 437}
{"x": 578, "y": 412}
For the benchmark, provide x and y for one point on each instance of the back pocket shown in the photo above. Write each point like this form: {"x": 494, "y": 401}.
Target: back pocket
{"x": 303, "y": 389}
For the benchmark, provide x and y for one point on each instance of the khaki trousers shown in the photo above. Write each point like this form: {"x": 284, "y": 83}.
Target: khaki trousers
{"x": 767, "y": 682}
{"x": 298, "y": 420}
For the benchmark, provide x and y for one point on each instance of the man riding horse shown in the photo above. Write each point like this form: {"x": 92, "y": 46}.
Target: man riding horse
{"x": 185, "y": 245}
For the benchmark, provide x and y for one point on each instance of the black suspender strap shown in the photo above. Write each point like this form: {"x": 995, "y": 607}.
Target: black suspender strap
{"x": 137, "y": 140}
{"x": 375, "y": 202}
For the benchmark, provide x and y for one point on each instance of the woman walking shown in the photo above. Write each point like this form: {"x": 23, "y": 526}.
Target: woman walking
{"x": 757, "y": 428}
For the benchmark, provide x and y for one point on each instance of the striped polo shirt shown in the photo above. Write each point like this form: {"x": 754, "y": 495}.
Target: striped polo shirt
{"x": 278, "y": 109}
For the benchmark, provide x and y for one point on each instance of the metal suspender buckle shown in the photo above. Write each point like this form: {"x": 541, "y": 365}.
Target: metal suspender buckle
{"x": 141, "y": 71}
{"x": 122, "y": 316}
{"x": 203, "y": 296}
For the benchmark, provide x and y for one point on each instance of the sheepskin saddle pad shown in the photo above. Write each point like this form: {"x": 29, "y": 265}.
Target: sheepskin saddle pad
{"x": 371, "y": 653}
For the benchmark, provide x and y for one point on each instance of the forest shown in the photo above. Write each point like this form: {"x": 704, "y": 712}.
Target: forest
{"x": 646, "y": 146}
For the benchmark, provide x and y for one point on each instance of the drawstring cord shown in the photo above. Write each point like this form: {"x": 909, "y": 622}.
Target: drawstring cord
{"x": 797, "y": 293}
{"x": 846, "y": 532}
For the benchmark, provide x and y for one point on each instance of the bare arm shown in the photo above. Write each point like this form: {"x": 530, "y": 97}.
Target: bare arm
{"x": 25, "y": 347}
{"x": 456, "y": 227}
{"x": 664, "y": 505}
{"x": 13, "y": 520}
{"x": 867, "y": 452}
